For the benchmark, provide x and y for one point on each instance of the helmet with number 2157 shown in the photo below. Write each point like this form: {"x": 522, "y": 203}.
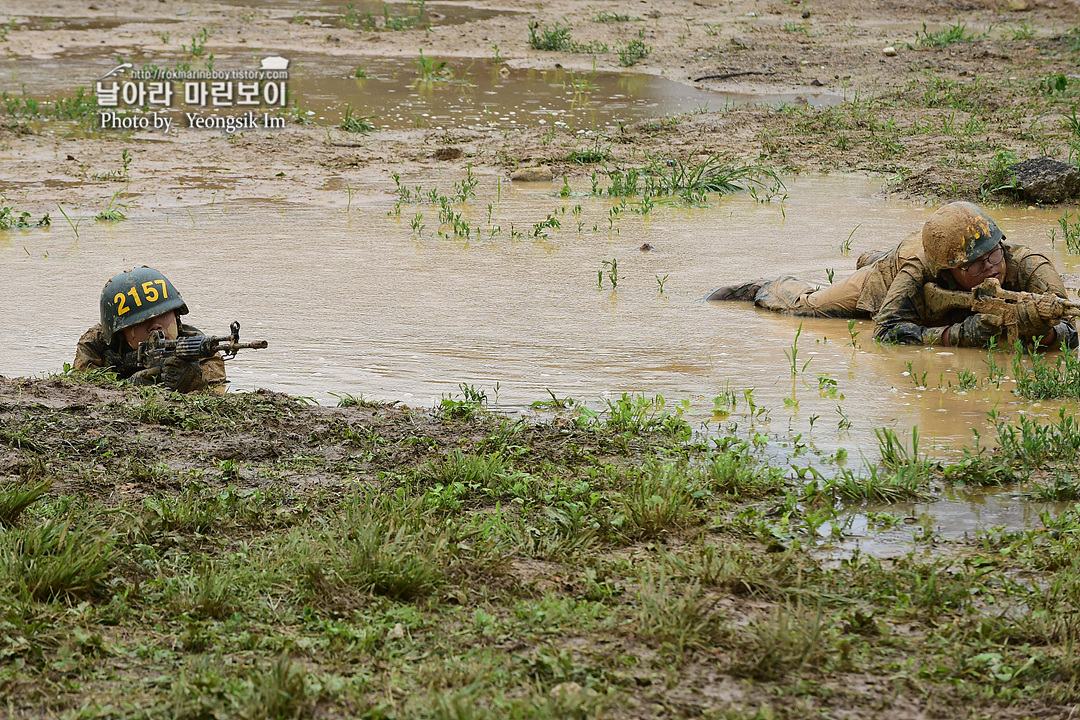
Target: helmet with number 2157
{"x": 134, "y": 296}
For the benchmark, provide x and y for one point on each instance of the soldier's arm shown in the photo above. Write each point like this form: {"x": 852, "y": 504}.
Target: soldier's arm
{"x": 213, "y": 370}
{"x": 88, "y": 353}
{"x": 1037, "y": 275}
{"x": 901, "y": 316}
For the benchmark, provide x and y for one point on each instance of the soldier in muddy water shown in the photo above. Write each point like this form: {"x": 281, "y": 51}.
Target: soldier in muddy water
{"x": 958, "y": 249}
{"x": 134, "y": 305}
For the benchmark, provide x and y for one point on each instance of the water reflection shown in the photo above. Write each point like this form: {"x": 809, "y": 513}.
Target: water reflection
{"x": 959, "y": 514}
{"x": 471, "y": 93}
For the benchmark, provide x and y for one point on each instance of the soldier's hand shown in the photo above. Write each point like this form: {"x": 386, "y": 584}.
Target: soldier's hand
{"x": 978, "y": 329}
{"x": 149, "y": 376}
{"x": 182, "y": 376}
{"x": 1037, "y": 316}
{"x": 118, "y": 362}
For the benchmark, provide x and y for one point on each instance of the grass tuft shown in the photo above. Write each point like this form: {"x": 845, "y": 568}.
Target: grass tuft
{"x": 17, "y": 496}
{"x": 661, "y": 499}
{"x": 678, "y": 618}
{"x": 54, "y": 560}
{"x": 792, "y": 637}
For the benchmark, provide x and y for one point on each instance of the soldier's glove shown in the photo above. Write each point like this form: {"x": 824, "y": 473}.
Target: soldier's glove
{"x": 120, "y": 363}
{"x": 1037, "y": 316}
{"x": 182, "y": 376}
{"x": 149, "y": 376}
{"x": 976, "y": 330}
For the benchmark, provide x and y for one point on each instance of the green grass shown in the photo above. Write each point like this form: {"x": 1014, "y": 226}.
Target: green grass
{"x": 14, "y": 219}
{"x": 1041, "y": 376}
{"x": 430, "y": 69}
{"x": 54, "y": 560}
{"x": 951, "y": 35}
{"x": 360, "y": 125}
{"x": 17, "y": 496}
{"x": 556, "y": 38}
{"x": 394, "y": 562}
{"x": 634, "y": 51}
{"x": 692, "y": 180}
{"x": 553, "y": 38}
{"x": 660, "y": 500}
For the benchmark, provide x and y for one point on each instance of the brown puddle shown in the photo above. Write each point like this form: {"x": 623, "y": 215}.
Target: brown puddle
{"x": 46, "y": 22}
{"x": 363, "y": 13}
{"x": 472, "y": 93}
{"x": 482, "y": 93}
{"x": 358, "y": 303}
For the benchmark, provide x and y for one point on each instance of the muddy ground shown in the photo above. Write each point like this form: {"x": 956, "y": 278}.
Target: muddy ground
{"x": 250, "y": 556}
{"x": 560, "y": 607}
{"x": 935, "y": 117}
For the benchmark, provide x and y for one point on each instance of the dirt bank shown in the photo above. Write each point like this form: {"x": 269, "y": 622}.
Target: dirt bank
{"x": 250, "y": 556}
{"x": 939, "y": 114}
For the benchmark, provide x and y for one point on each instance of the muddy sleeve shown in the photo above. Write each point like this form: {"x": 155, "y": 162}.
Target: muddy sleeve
{"x": 1036, "y": 274}
{"x": 89, "y": 351}
{"x": 213, "y": 370}
{"x": 902, "y": 316}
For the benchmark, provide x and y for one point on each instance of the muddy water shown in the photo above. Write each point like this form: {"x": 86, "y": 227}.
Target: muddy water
{"x": 483, "y": 93}
{"x": 340, "y": 14}
{"x": 470, "y": 93}
{"x": 356, "y": 302}
{"x": 960, "y": 514}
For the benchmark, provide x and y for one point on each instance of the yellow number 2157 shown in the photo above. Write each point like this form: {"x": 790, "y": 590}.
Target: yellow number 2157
{"x": 149, "y": 293}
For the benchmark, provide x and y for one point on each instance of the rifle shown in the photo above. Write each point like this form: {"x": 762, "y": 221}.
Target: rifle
{"x": 986, "y": 297}
{"x": 157, "y": 348}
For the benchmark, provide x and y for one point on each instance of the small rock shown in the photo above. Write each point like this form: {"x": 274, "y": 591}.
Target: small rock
{"x": 890, "y": 51}
{"x": 817, "y": 83}
{"x": 1019, "y": 5}
{"x": 1045, "y": 180}
{"x": 541, "y": 173}
{"x": 653, "y": 14}
{"x": 565, "y": 690}
{"x": 396, "y": 633}
{"x": 805, "y": 14}
{"x": 645, "y": 247}
{"x": 447, "y": 153}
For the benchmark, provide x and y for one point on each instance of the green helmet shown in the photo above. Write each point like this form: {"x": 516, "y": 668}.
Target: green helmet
{"x": 958, "y": 233}
{"x": 134, "y": 296}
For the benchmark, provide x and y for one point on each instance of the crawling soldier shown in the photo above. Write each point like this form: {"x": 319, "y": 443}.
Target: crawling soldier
{"x": 959, "y": 247}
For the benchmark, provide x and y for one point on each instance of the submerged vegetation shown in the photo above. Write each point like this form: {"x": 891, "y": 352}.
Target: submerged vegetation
{"x": 393, "y": 562}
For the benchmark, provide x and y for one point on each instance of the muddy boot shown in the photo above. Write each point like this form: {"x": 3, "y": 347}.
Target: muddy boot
{"x": 745, "y": 292}
{"x": 868, "y": 257}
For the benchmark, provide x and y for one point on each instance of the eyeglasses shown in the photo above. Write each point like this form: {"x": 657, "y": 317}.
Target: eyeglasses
{"x": 988, "y": 260}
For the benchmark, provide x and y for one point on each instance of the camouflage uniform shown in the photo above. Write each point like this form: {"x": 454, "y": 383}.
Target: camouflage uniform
{"x": 858, "y": 295}
{"x": 903, "y": 316}
{"x": 94, "y": 352}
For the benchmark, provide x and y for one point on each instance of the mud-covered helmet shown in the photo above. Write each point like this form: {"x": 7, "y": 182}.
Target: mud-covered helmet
{"x": 958, "y": 233}
{"x": 134, "y": 296}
